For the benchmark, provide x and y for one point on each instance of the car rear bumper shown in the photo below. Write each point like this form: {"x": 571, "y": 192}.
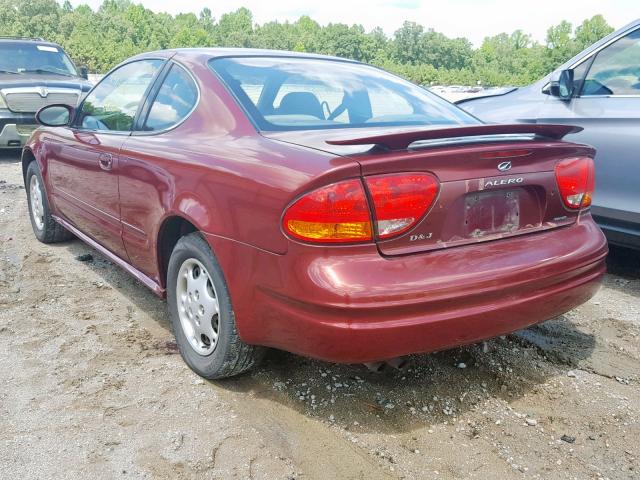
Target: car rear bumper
{"x": 352, "y": 305}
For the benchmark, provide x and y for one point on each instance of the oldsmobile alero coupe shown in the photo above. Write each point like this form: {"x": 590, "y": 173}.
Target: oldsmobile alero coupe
{"x": 315, "y": 205}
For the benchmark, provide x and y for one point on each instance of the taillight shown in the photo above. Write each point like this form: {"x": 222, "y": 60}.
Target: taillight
{"x": 400, "y": 200}
{"x": 576, "y": 181}
{"x": 340, "y": 213}
{"x": 335, "y": 213}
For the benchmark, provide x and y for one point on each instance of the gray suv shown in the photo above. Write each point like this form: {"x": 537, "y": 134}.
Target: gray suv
{"x": 598, "y": 89}
{"x": 33, "y": 73}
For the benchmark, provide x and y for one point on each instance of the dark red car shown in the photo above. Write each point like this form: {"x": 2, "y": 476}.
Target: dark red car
{"x": 316, "y": 205}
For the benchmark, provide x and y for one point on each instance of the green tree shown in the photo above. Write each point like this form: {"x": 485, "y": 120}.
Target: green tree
{"x": 375, "y": 46}
{"x": 592, "y": 30}
{"x": 406, "y": 44}
{"x": 341, "y": 40}
{"x": 306, "y": 33}
{"x": 443, "y": 52}
{"x": 235, "y": 29}
{"x": 118, "y": 29}
{"x": 274, "y": 35}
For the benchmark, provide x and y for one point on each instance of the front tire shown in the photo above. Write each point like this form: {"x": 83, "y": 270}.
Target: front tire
{"x": 45, "y": 228}
{"x": 202, "y": 317}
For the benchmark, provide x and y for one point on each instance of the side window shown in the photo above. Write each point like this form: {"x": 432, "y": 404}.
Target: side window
{"x": 112, "y": 105}
{"x": 175, "y": 100}
{"x": 616, "y": 69}
{"x": 579, "y": 74}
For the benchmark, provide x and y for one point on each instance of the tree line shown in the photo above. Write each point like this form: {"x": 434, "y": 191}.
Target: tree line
{"x": 121, "y": 28}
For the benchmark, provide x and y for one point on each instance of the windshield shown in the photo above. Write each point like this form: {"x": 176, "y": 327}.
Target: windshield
{"x": 19, "y": 57}
{"x": 288, "y": 93}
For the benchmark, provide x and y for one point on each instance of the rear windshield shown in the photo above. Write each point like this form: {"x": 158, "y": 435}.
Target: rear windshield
{"x": 285, "y": 93}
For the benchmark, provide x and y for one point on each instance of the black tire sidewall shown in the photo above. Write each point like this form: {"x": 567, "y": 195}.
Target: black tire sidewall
{"x": 194, "y": 246}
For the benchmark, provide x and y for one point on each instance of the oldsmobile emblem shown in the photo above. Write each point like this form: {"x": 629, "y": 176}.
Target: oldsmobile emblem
{"x": 504, "y": 166}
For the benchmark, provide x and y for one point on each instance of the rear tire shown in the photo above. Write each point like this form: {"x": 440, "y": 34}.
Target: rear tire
{"x": 201, "y": 314}
{"x": 45, "y": 228}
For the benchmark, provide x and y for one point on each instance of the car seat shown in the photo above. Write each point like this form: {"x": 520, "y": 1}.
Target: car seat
{"x": 301, "y": 103}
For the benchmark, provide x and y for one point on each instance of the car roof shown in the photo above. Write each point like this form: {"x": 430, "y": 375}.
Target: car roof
{"x": 28, "y": 41}
{"x": 219, "y": 52}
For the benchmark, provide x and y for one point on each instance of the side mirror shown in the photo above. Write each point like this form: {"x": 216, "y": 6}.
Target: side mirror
{"x": 562, "y": 86}
{"x": 84, "y": 72}
{"x": 55, "y": 115}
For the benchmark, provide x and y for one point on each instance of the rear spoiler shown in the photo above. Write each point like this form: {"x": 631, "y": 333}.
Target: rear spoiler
{"x": 402, "y": 140}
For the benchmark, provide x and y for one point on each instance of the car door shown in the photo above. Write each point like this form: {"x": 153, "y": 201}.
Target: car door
{"x": 607, "y": 104}
{"x": 84, "y": 167}
{"x": 149, "y": 160}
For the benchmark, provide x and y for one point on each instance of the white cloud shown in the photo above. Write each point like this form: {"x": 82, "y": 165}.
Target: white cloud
{"x": 473, "y": 19}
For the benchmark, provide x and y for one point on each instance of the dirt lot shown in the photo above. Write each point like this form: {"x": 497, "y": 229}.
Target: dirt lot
{"x": 92, "y": 387}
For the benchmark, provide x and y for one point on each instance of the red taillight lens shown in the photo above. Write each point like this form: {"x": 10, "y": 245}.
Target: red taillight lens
{"x": 576, "y": 181}
{"x": 400, "y": 200}
{"x": 335, "y": 213}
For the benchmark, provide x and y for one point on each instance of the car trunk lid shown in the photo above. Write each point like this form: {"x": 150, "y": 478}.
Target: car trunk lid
{"x": 496, "y": 181}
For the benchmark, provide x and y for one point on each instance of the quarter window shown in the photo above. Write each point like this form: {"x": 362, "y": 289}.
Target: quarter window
{"x": 616, "y": 69}
{"x": 175, "y": 100}
{"x": 113, "y": 104}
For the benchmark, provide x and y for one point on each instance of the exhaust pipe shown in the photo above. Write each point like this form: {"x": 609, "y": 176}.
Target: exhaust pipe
{"x": 399, "y": 363}
{"x": 375, "y": 367}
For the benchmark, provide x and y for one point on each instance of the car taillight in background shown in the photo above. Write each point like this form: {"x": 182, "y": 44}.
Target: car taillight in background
{"x": 340, "y": 213}
{"x": 576, "y": 181}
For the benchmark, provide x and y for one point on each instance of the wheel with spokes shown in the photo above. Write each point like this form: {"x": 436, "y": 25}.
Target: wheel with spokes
{"x": 45, "y": 228}
{"x": 198, "y": 306}
{"x": 201, "y": 314}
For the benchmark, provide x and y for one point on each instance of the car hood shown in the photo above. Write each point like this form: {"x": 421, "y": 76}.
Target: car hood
{"x": 490, "y": 92}
{"x": 9, "y": 80}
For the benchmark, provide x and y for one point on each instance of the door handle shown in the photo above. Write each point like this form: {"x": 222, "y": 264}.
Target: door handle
{"x": 106, "y": 161}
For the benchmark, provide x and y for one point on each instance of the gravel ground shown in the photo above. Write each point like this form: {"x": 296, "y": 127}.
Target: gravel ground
{"x": 91, "y": 386}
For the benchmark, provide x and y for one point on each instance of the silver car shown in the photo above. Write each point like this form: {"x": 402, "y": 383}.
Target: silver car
{"x": 598, "y": 89}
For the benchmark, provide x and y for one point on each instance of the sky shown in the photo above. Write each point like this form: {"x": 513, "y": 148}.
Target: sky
{"x": 455, "y": 18}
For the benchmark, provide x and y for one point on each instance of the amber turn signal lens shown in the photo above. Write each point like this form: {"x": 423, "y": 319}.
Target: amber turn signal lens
{"x": 340, "y": 212}
{"x": 335, "y": 213}
{"x": 330, "y": 231}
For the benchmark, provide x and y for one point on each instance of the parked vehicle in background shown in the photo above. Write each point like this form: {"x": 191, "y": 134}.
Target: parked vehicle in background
{"x": 33, "y": 73}
{"x": 316, "y": 205}
{"x": 598, "y": 89}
